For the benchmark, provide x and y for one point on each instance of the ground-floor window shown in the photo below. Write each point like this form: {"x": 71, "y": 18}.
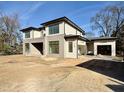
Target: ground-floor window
{"x": 54, "y": 47}
{"x": 27, "y": 47}
{"x": 70, "y": 46}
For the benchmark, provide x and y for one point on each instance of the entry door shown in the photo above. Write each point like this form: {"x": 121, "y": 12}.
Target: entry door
{"x": 104, "y": 49}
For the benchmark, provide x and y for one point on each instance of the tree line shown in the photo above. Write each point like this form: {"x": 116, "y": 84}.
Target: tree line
{"x": 10, "y": 36}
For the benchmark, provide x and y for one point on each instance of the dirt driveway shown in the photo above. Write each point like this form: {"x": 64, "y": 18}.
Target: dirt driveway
{"x": 20, "y": 73}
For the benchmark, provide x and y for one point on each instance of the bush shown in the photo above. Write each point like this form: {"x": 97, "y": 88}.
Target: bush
{"x": 10, "y": 50}
{"x": 7, "y": 50}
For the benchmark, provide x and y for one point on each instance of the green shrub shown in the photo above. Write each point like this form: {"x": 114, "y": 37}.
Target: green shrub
{"x": 7, "y": 50}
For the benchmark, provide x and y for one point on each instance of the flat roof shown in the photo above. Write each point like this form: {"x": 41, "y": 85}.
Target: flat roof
{"x": 102, "y": 38}
{"x": 66, "y": 20}
{"x": 32, "y": 28}
{"x": 75, "y": 36}
{"x": 29, "y": 28}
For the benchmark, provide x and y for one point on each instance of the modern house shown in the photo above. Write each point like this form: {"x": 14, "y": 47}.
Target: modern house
{"x": 63, "y": 38}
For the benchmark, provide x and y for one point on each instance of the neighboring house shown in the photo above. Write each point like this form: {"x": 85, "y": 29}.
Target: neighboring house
{"x": 63, "y": 38}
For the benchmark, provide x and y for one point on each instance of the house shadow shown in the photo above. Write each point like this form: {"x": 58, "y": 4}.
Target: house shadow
{"x": 116, "y": 88}
{"x": 119, "y": 87}
{"x": 109, "y": 68}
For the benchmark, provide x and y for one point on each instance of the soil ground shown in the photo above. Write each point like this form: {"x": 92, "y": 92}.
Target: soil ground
{"x": 34, "y": 74}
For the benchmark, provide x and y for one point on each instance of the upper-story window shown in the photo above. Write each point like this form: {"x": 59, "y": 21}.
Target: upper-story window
{"x": 27, "y": 34}
{"x": 54, "y": 29}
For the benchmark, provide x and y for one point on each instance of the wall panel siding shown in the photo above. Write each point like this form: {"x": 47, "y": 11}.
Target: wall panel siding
{"x": 69, "y": 29}
{"x": 66, "y": 49}
{"x": 59, "y": 38}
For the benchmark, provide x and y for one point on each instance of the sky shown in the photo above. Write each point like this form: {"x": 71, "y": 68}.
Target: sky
{"x": 33, "y": 13}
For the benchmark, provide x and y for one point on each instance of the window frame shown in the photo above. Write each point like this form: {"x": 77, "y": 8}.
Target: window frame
{"x": 27, "y": 50}
{"x": 70, "y": 50}
{"x": 54, "y": 29}
{"x": 27, "y": 33}
{"x": 53, "y": 44}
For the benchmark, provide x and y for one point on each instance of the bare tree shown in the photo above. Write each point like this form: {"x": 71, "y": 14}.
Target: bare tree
{"x": 9, "y": 27}
{"x": 109, "y": 20}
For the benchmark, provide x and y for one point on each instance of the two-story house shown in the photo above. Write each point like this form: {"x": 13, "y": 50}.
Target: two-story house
{"x": 63, "y": 38}
{"x": 60, "y": 38}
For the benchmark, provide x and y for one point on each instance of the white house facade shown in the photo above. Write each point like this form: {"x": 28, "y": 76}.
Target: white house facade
{"x": 63, "y": 38}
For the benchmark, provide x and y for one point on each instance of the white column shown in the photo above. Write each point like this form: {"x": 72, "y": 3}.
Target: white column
{"x": 113, "y": 48}
{"x": 95, "y": 49}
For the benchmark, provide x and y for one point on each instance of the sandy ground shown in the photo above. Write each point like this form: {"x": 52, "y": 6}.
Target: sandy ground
{"x": 20, "y": 73}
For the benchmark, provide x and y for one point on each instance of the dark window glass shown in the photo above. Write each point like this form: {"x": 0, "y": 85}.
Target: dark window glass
{"x": 27, "y": 47}
{"x": 70, "y": 47}
{"x": 54, "y": 47}
{"x": 27, "y": 34}
{"x": 54, "y": 29}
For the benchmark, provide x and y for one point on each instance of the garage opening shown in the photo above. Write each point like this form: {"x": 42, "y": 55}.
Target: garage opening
{"x": 39, "y": 47}
{"x": 104, "y": 49}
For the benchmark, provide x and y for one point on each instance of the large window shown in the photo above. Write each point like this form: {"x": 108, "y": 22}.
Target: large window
{"x": 54, "y": 47}
{"x": 54, "y": 29}
{"x": 70, "y": 46}
{"x": 27, "y": 47}
{"x": 27, "y": 34}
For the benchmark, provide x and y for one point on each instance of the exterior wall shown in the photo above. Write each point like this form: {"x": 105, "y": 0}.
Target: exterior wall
{"x": 55, "y": 37}
{"x": 111, "y": 42}
{"x": 59, "y": 38}
{"x": 34, "y": 34}
{"x": 80, "y": 42}
{"x": 73, "y": 54}
{"x": 79, "y": 33}
{"x": 69, "y": 30}
{"x": 90, "y": 46}
{"x": 34, "y": 51}
{"x": 61, "y": 29}
{"x": 25, "y": 53}
{"x": 37, "y": 34}
{"x": 82, "y": 48}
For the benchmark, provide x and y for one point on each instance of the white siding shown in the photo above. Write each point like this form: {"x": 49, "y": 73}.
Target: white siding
{"x": 36, "y": 34}
{"x": 68, "y": 54}
{"x": 69, "y": 30}
{"x": 34, "y": 51}
{"x": 78, "y": 32}
{"x": 80, "y": 42}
